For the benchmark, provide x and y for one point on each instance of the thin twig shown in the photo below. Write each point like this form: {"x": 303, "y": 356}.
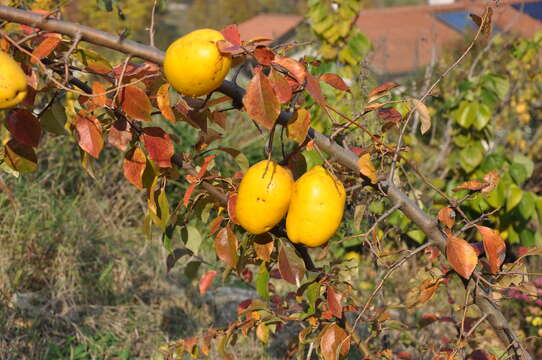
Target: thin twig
{"x": 151, "y": 27}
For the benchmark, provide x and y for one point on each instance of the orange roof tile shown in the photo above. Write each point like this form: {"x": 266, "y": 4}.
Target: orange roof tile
{"x": 272, "y": 26}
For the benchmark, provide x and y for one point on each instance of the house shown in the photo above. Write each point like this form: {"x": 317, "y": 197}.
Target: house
{"x": 407, "y": 38}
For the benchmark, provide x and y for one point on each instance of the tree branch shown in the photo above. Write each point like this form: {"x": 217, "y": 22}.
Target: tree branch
{"x": 345, "y": 157}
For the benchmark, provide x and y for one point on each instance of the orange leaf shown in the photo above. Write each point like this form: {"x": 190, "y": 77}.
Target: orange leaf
{"x": 159, "y": 145}
{"x": 24, "y": 127}
{"x": 295, "y": 68}
{"x": 299, "y": 126}
{"x": 447, "y": 217}
{"x": 89, "y": 131}
{"x": 205, "y": 165}
{"x": 336, "y": 81}
{"x": 367, "y": 168}
{"x": 494, "y": 247}
{"x": 280, "y": 86}
{"x": 382, "y": 89}
{"x": 231, "y": 34}
{"x": 461, "y": 256}
{"x": 45, "y": 48}
{"x": 162, "y": 98}
{"x": 134, "y": 165}
{"x": 390, "y": 114}
{"x": 492, "y": 180}
{"x": 232, "y": 201}
{"x": 263, "y": 245}
{"x": 215, "y": 224}
{"x": 313, "y": 87}
{"x": 260, "y": 101}
{"x": 334, "y": 302}
{"x": 136, "y": 103}
{"x": 226, "y": 246}
{"x": 263, "y": 55}
{"x": 100, "y": 100}
{"x": 473, "y": 185}
{"x": 206, "y": 280}
{"x": 333, "y": 337}
{"x": 188, "y": 193}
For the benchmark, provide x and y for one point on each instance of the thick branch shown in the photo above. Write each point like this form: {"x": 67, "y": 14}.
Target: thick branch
{"x": 348, "y": 159}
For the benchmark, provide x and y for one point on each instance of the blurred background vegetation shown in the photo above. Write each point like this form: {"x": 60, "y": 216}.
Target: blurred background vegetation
{"x": 79, "y": 280}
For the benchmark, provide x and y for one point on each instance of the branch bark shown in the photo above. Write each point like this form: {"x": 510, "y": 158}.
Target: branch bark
{"x": 483, "y": 294}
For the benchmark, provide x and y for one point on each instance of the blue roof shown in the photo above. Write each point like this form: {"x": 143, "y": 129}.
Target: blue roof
{"x": 458, "y": 20}
{"x": 533, "y": 9}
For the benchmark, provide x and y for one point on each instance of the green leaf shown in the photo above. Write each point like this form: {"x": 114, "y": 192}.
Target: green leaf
{"x": 513, "y": 197}
{"x": 492, "y": 162}
{"x": 527, "y": 206}
{"x": 191, "y": 269}
{"x": 495, "y": 198}
{"x": 527, "y": 237}
{"x": 313, "y": 158}
{"x": 526, "y": 162}
{"x": 416, "y": 235}
{"x": 54, "y": 118}
{"x": 471, "y": 156}
{"x": 518, "y": 173}
{"x": 191, "y": 238}
{"x": 465, "y": 115}
{"x": 312, "y": 293}
{"x": 262, "y": 281}
{"x": 498, "y": 84}
{"x": 482, "y": 116}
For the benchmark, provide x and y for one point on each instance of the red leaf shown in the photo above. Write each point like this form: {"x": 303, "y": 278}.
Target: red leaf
{"x": 461, "y": 256}
{"x": 382, "y": 88}
{"x": 89, "y": 132}
{"x": 447, "y": 217}
{"x": 263, "y": 55}
{"x": 226, "y": 246}
{"x": 206, "y": 280}
{"x": 299, "y": 126}
{"x": 494, "y": 247}
{"x": 295, "y": 68}
{"x": 313, "y": 87}
{"x": 291, "y": 267}
{"x": 134, "y": 165}
{"x": 188, "y": 193}
{"x": 100, "y": 100}
{"x": 227, "y": 48}
{"x": 135, "y": 103}
{"x": 333, "y": 337}
{"x": 280, "y": 86}
{"x": 120, "y": 135}
{"x": 336, "y": 81}
{"x": 162, "y": 99}
{"x": 261, "y": 102}
{"x": 24, "y": 127}
{"x": 159, "y": 145}
{"x": 45, "y": 48}
{"x": 390, "y": 114}
{"x": 334, "y": 302}
{"x": 215, "y": 224}
{"x": 231, "y": 33}
{"x": 232, "y": 201}
{"x": 205, "y": 165}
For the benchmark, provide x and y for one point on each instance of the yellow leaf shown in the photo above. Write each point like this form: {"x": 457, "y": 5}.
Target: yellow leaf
{"x": 367, "y": 168}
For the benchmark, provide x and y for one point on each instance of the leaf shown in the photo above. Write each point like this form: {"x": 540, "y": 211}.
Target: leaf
{"x": 134, "y": 166}
{"x": 263, "y": 246}
{"x": 260, "y": 101}
{"x": 188, "y": 193}
{"x": 335, "y": 80}
{"x": 514, "y": 196}
{"x": 264, "y": 55}
{"x": 219, "y": 118}
{"x": 312, "y": 293}
{"x": 461, "y": 256}
{"x": 89, "y": 132}
{"x": 280, "y": 86}
{"x": 262, "y": 282}
{"x": 425, "y": 118}
{"x": 232, "y": 201}
{"x": 494, "y": 247}
{"x": 492, "y": 180}
{"x": 135, "y": 103}
{"x": 381, "y": 90}
{"x": 334, "y": 302}
{"x": 226, "y": 246}
{"x": 447, "y": 217}
{"x": 120, "y": 134}
{"x": 421, "y": 294}
{"x": 367, "y": 168}
{"x": 291, "y": 267}
{"x": 334, "y": 340}
{"x": 231, "y": 34}
{"x": 54, "y": 118}
{"x": 481, "y": 354}
{"x": 20, "y": 157}
{"x": 262, "y": 333}
{"x": 45, "y": 48}
{"x": 175, "y": 255}
{"x": 159, "y": 145}
{"x": 473, "y": 185}
{"x": 313, "y": 87}
{"x": 101, "y": 99}
{"x": 206, "y": 280}
{"x": 390, "y": 114}
{"x": 295, "y": 68}
{"x": 24, "y": 127}
{"x": 298, "y": 127}
{"x": 92, "y": 60}
{"x": 162, "y": 99}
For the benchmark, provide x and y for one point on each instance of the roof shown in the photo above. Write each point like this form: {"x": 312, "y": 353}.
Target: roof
{"x": 272, "y": 26}
{"x": 406, "y": 38}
